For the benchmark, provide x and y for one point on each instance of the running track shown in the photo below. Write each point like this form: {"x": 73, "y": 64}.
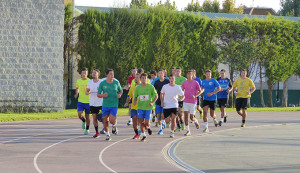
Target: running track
{"x": 60, "y": 146}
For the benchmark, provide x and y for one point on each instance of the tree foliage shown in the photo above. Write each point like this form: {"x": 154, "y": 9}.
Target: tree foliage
{"x": 290, "y": 8}
{"x": 139, "y": 4}
{"x": 207, "y": 6}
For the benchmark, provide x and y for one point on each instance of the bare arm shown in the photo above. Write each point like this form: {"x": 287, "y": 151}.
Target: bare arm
{"x": 76, "y": 93}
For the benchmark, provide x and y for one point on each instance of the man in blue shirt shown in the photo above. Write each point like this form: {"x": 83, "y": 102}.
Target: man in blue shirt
{"x": 211, "y": 87}
{"x": 199, "y": 97}
{"x": 226, "y": 87}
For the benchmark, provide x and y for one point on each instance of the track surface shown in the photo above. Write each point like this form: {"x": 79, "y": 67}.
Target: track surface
{"x": 60, "y": 146}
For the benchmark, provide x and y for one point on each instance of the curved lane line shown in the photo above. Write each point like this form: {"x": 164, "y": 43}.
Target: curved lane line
{"x": 37, "y": 155}
{"x": 101, "y": 154}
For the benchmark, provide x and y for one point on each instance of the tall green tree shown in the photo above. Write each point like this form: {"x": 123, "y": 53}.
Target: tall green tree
{"x": 139, "y": 4}
{"x": 290, "y": 8}
{"x": 229, "y": 7}
{"x": 193, "y": 6}
{"x": 168, "y": 4}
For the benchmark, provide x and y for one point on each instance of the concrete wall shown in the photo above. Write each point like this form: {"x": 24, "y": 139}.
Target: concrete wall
{"x": 31, "y": 55}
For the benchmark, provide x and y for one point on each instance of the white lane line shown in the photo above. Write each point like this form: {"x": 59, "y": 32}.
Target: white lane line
{"x": 37, "y": 155}
{"x": 101, "y": 153}
{"x": 16, "y": 139}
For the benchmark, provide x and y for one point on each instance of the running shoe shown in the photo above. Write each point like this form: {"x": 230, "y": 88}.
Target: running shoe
{"x": 192, "y": 122}
{"x": 225, "y": 119}
{"x": 163, "y": 125}
{"x": 143, "y": 139}
{"x": 136, "y": 137}
{"x": 216, "y": 123}
{"x": 86, "y": 132}
{"x": 114, "y": 130}
{"x": 177, "y": 129}
{"x": 83, "y": 125}
{"x": 108, "y": 138}
{"x": 182, "y": 126}
{"x": 97, "y": 135}
{"x": 160, "y": 132}
{"x": 153, "y": 119}
{"x": 201, "y": 115}
{"x": 220, "y": 123}
{"x": 197, "y": 125}
{"x": 205, "y": 130}
{"x": 149, "y": 131}
{"x": 188, "y": 133}
{"x": 129, "y": 123}
{"x": 140, "y": 132}
{"x": 171, "y": 135}
{"x": 102, "y": 131}
{"x": 243, "y": 125}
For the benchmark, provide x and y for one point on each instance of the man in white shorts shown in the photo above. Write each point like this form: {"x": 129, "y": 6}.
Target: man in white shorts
{"x": 169, "y": 101}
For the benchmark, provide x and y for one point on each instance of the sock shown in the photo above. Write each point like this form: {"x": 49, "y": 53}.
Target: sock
{"x": 178, "y": 125}
{"x": 136, "y": 131}
{"x": 196, "y": 121}
{"x": 172, "y": 131}
{"x": 130, "y": 119}
{"x": 163, "y": 121}
{"x": 225, "y": 114}
{"x": 87, "y": 127}
{"x": 83, "y": 119}
{"x": 144, "y": 134}
{"x": 181, "y": 122}
{"x": 215, "y": 119}
{"x": 221, "y": 119}
{"x": 188, "y": 128}
{"x": 200, "y": 112}
{"x": 96, "y": 129}
{"x": 107, "y": 133}
{"x": 206, "y": 124}
{"x": 244, "y": 121}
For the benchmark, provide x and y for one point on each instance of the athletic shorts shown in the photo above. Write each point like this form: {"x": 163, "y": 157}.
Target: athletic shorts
{"x": 83, "y": 106}
{"x": 95, "y": 109}
{"x": 159, "y": 109}
{"x": 198, "y": 101}
{"x": 109, "y": 110}
{"x": 241, "y": 103}
{"x": 145, "y": 114}
{"x": 222, "y": 102}
{"x": 180, "y": 104}
{"x": 211, "y": 104}
{"x": 189, "y": 107}
{"x": 133, "y": 112}
{"x": 168, "y": 112}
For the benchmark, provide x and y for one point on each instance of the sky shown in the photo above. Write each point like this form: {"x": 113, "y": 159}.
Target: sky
{"x": 181, "y": 4}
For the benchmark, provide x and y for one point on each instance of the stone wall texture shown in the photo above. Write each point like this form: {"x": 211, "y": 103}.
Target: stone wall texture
{"x": 31, "y": 55}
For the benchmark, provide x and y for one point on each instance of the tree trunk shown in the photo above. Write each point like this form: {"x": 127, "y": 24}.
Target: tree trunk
{"x": 261, "y": 86}
{"x": 270, "y": 101}
{"x": 231, "y": 93}
{"x": 285, "y": 94}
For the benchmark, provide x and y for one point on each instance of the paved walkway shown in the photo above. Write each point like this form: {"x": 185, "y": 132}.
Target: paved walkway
{"x": 60, "y": 146}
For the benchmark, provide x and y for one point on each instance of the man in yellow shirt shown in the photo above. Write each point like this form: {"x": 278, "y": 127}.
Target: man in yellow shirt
{"x": 83, "y": 100}
{"x": 243, "y": 87}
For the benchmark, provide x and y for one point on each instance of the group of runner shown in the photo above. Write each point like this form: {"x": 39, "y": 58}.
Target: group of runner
{"x": 169, "y": 95}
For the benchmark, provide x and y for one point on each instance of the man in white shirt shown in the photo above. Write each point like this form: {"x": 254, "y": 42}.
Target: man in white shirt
{"x": 95, "y": 102}
{"x": 169, "y": 101}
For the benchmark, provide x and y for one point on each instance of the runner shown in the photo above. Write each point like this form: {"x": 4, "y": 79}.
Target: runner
{"x": 95, "y": 102}
{"x": 83, "y": 100}
{"x": 158, "y": 108}
{"x": 112, "y": 91}
{"x": 130, "y": 78}
{"x": 241, "y": 88}
{"x": 147, "y": 97}
{"x": 211, "y": 87}
{"x": 169, "y": 102}
{"x": 134, "y": 108}
{"x": 153, "y": 75}
{"x": 191, "y": 90}
{"x": 199, "y": 97}
{"x": 179, "y": 120}
{"x": 226, "y": 88}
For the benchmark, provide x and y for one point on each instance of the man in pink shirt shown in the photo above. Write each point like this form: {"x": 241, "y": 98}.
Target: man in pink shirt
{"x": 191, "y": 90}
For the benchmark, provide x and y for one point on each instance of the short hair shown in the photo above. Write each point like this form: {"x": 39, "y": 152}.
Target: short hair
{"x": 161, "y": 70}
{"x": 207, "y": 71}
{"x": 108, "y": 70}
{"x": 153, "y": 72}
{"x": 84, "y": 69}
{"x": 97, "y": 70}
{"x": 144, "y": 74}
{"x": 171, "y": 75}
{"x": 173, "y": 67}
{"x": 140, "y": 70}
{"x": 244, "y": 70}
{"x": 223, "y": 70}
{"x": 178, "y": 68}
{"x": 137, "y": 74}
{"x": 189, "y": 71}
{"x": 133, "y": 68}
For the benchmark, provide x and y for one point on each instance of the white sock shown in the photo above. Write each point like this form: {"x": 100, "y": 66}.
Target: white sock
{"x": 151, "y": 116}
{"x": 163, "y": 121}
{"x": 188, "y": 128}
{"x": 206, "y": 124}
{"x": 225, "y": 114}
{"x": 160, "y": 126}
{"x": 196, "y": 121}
{"x": 144, "y": 134}
{"x": 221, "y": 119}
{"x": 215, "y": 119}
{"x": 107, "y": 133}
{"x": 172, "y": 131}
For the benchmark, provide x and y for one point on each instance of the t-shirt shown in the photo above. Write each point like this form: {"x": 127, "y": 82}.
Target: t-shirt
{"x": 158, "y": 86}
{"x": 111, "y": 89}
{"x": 210, "y": 86}
{"x": 130, "y": 78}
{"x": 156, "y": 79}
{"x": 180, "y": 80}
{"x": 199, "y": 81}
{"x": 170, "y": 95}
{"x": 243, "y": 86}
{"x": 130, "y": 95}
{"x": 225, "y": 84}
{"x": 145, "y": 94}
{"x": 81, "y": 85}
{"x": 190, "y": 88}
{"x": 94, "y": 100}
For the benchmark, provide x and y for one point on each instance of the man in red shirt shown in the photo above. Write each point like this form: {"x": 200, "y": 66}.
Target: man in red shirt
{"x": 130, "y": 78}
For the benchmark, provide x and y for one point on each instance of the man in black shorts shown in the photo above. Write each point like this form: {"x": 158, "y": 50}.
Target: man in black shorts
{"x": 169, "y": 102}
{"x": 226, "y": 88}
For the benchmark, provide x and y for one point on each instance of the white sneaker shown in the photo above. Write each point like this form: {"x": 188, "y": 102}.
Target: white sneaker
{"x": 171, "y": 135}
